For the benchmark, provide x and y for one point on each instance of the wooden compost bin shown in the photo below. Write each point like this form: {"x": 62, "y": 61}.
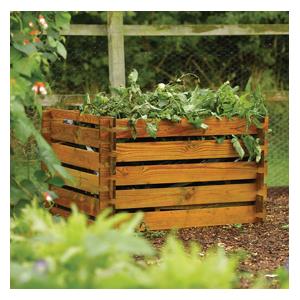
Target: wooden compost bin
{"x": 178, "y": 180}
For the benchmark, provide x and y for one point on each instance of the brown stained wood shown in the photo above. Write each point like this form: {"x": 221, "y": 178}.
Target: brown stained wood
{"x": 59, "y": 211}
{"x": 77, "y": 157}
{"x": 46, "y": 125}
{"x": 75, "y": 134}
{"x": 62, "y": 114}
{"x": 199, "y": 217}
{"x": 184, "y": 128}
{"x": 106, "y": 148}
{"x": 86, "y": 204}
{"x": 83, "y": 181}
{"x": 148, "y": 151}
{"x": 199, "y": 172}
{"x": 65, "y": 214}
{"x": 161, "y": 197}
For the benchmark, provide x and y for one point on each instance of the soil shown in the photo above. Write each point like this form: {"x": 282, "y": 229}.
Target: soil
{"x": 266, "y": 243}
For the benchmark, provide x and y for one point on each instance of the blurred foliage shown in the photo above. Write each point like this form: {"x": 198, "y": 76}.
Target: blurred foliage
{"x": 49, "y": 252}
{"x": 214, "y": 59}
{"x": 31, "y": 53}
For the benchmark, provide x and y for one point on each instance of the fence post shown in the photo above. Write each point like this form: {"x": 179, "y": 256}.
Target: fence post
{"x": 116, "y": 57}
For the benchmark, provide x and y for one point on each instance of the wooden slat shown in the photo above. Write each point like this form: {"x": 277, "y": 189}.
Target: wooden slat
{"x": 61, "y": 114}
{"x": 77, "y": 157}
{"x": 199, "y": 172}
{"x": 86, "y": 204}
{"x": 75, "y": 134}
{"x": 182, "y": 30}
{"x": 206, "y": 29}
{"x": 160, "y": 197}
{"x": 61, "y": 212}
{"x": 199, "y": 217}
{"x": 65, "y": 213}
{"x": 84, "y": 181}
{"x": 184, "y": 128}
{"x": 148, "y": 151}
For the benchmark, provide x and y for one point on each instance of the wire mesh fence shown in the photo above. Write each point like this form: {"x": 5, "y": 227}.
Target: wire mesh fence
{"x": 214, "y": 59}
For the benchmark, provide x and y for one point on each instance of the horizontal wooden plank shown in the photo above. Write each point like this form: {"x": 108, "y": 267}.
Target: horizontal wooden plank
{"x": 86, "y": 204}
{"x": 65, "y": 213}
{"x": 181, "y": 30}
{"x": 61, "y": 114}
{"x": 161, "y": 197}
{"x": 206, "y": 29}
{"x": 172, "y": 173}
{"x": 83, "y": 181}
{"x": 60, "y": 211}
{"x": 77, "y": 157}
{"x": 86, "y": 30}
{"x": 184, "y": 128}
{"x": 148, "y": 151}
{"x": 159, "y": 220}
{"x": 75, "y": 134}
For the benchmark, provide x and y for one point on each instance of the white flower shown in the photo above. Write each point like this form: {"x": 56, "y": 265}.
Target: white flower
{"x": 43, "y": 90}
{"x": 161, "y": 86}
{"x": 35, "y": 88}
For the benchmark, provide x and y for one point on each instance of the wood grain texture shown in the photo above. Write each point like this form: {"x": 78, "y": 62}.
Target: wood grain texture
{"x": 83, "y": 181}
{"x": 159, "y": 220}
{"x": 46, "y": 125}
{"x": 106, "y": 147}
{"x": 85, "y": 203}
{"x": 147, "y": 151}
{"x": 261, "y": 176}
{"x": 75, "y": 134}
{"x": 116, "y": 53}
{"x": 184, "y": 128}
{"x": 77, "y": 157}
{"x": 63, "y": 114}
{"x": 162, "y": 197}
{"x": 199, "y": 172}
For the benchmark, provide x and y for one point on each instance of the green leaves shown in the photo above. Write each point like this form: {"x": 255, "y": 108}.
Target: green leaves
{"x": 173, "y": 102}
{"x": 133, "y": 76}
{"x": 253, "y": 147}
{"x": 152, "y": 129}
{"x": 57, "y": 181}
{"x": 62, "y": 20}
{"x": 30, "y": 56}
{"x": 237, "y": 146}
{"x": 61, "y": 50}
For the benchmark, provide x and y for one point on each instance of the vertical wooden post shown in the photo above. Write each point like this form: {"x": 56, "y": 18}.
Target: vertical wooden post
{"x": 46, "y": 125}
{"x": 106, "y": 169}
{"x": 116, "y": 57}
{"x": 262, "y": 173}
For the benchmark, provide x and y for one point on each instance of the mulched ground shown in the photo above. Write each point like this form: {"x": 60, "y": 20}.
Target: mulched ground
{"x": 267, "y": 243}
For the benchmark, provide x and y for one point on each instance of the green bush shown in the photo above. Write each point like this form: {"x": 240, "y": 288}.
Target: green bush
{"x": 49, "y": 252}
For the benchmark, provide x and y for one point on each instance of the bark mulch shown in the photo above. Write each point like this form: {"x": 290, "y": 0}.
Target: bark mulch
{"x": 266, "y": 243}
